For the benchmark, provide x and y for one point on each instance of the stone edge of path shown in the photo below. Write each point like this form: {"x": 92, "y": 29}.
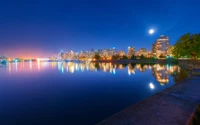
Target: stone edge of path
{"x": 173, "y": 106}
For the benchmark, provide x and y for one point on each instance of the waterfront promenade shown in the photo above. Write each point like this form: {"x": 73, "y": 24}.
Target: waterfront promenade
{"x": 173, "y": 106}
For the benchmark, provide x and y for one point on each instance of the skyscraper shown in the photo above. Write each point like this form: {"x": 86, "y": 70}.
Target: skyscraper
{"x": 131, "y": 51}
{"x": 121, "y": 53}
{"x": 160, "y": 47}
{"x": 142, "y": 51}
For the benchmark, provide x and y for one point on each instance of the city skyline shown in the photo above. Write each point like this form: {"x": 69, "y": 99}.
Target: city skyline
{"x": 42, "y": 28}
{"x": 33, "y": 53}
{"x": 108, "y": 53}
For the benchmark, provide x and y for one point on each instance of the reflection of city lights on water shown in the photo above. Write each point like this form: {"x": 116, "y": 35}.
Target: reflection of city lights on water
{"x": 59, "y": 66}
{"x": 111, "y": 70}
{"x": 38, "y": 62}
{"x": 16, "y": 64}
{"x": 30, "y": 65}
{"x": 114, "y": 71}
{"x": 162, "y": 84}
{"x": 9, "y": 67}
{"x": 151, "y": 85}
{"x": 72, "y": 69}
{"x": 76, "y": 66}
{"x": 62, "y": 69}
{"x": 129, "y": 73}
{"x": 67, "y": 68}
{"x": 160, "y": 72}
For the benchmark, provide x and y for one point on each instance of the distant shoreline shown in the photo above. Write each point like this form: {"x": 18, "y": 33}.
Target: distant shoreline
{"x": 140, "y": 61}
{"x": 148, "y": 61}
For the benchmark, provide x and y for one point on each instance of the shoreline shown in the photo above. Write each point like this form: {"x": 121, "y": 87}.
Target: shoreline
{"x": 175, "y": 105}
{"x": 148, "y": 61}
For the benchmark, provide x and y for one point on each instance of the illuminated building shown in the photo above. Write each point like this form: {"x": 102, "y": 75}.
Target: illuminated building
{"x": 107, "y": 53}
{"x": 142, "y": 51}
{"x": 62, "y": 55}
{"x": 99, "y": 50}
{"x": 131, "y": 51}
{"x": 82, "y": 55}
{"x": 91, "y": 54}
{"x": 70, "y": 55}
{"x": 112, "y": 51}
{"x": 121, "y": 53}
{"x": 53, "y": 58}
{"x": 160, "y": 47}
{"x": 153, "y": 51}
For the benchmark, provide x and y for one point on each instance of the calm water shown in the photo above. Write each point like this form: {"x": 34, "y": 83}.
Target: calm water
{"x": 56, "y": 93}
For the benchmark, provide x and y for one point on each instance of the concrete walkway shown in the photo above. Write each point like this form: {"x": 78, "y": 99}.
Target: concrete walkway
{"x": 173, "y": 106}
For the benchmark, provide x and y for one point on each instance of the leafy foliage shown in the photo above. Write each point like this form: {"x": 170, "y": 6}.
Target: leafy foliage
{"x": 97, "y": 56}
{"x": 153, "y": 58}
{"x": 178, "y": 76}
{"x": 115, "y": 57}
{"x": 187, "y": 46}
{"x": 142, "y": 57}
{"x": 162, "y": 56}
{"x": 124, "y": 57}
{"x": 133, "y": 57}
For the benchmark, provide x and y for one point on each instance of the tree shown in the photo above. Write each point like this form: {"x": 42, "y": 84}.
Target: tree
{"x": 115, "y": 57}
{"x": 124, "y": 57}
{"x": 162, "y": 56}
{"x": 152, "y": 59}
{"x": 133, "y": 57}
{"x": 142, "y": 56}
{"x": 97, "y": 56}
{"x": 187, "y": 46}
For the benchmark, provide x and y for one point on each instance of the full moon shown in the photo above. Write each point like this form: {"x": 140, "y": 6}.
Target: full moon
{"x": 151, "y": 31}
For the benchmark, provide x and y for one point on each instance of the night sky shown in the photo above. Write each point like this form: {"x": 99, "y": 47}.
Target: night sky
{"x": 40, "y": 28}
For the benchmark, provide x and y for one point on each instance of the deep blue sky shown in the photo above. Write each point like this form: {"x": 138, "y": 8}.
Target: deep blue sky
{"x": 46, "y": 26}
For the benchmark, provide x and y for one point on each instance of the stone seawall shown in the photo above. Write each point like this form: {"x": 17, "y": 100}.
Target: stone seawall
{"x": 173, "y": 106}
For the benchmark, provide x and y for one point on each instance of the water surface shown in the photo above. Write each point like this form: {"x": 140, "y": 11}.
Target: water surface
{"x": 69, "y": 93}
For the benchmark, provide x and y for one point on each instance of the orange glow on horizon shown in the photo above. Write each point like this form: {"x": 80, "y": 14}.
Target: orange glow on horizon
{"x": 26, "y": 54}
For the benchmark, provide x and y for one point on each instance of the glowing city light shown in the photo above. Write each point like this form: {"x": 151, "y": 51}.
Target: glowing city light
{"x": 114, "y": 71}
{"x": 62, "y": 69}
{"x": 129, "y": 73}
{"x": 151, "y": 85}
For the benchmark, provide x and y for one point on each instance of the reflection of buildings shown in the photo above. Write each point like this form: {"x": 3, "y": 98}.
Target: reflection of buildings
{"x": 162, "y": 73}
{"x": 72, "y": 67}
{"x": 142, "y": 67}
{"x": 131, "y": 69}
{"x": 160, "y": 47}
